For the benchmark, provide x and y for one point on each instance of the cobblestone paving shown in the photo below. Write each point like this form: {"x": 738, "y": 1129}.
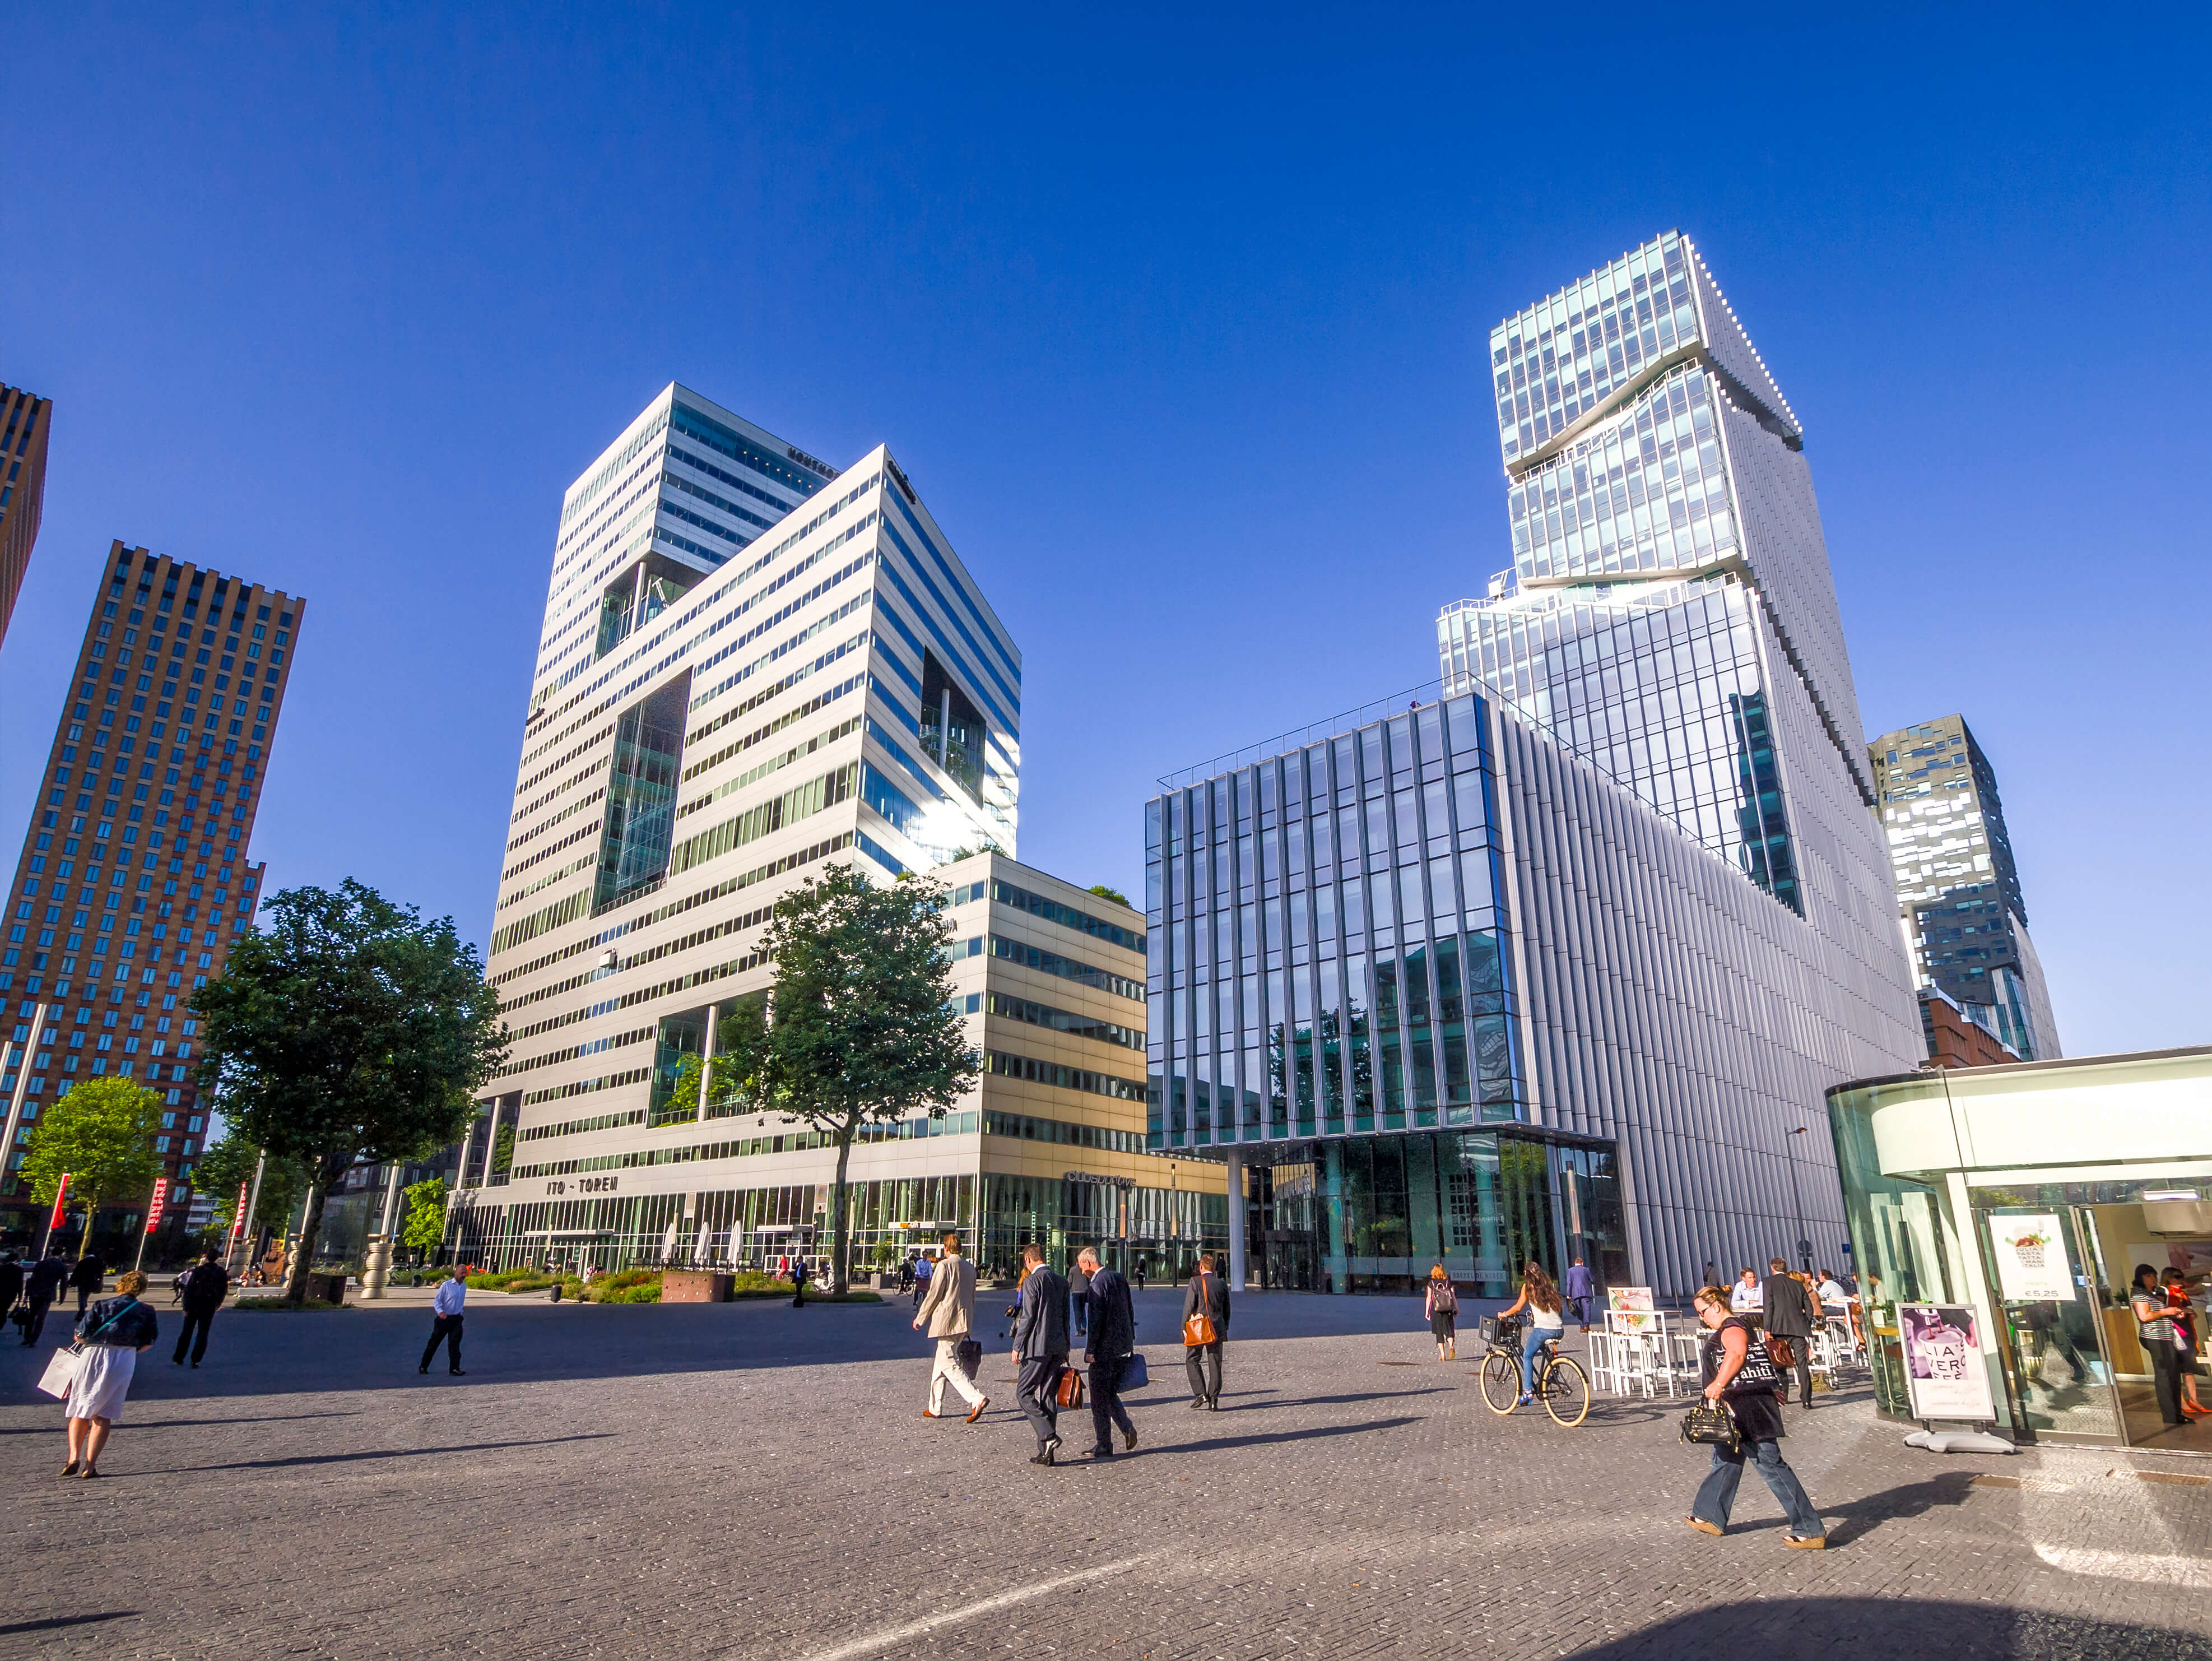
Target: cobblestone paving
{"x": 752, "y": 1481}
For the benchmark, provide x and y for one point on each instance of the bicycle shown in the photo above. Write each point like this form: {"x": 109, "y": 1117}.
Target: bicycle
{"x": 1561, "y": 1384}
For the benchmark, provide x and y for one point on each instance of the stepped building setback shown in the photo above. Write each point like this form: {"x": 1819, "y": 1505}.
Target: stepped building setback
{"x": 133, "y": 883}
{"x": 755, "y": 664}
{"x": 1562, "y": 965}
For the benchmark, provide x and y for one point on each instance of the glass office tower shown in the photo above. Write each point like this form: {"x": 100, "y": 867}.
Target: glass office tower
{"x": 1957, "y": 887}
{"x": 1565, "y": 967}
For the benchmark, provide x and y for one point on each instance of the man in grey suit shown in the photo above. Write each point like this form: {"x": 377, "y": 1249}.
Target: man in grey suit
{"x": 1790, "y": 1314}
{"x": 1201, "y": 1363}
{"x": 1041, "y": 1350}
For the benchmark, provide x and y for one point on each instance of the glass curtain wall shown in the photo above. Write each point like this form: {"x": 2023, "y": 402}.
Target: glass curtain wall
{"x": 1375, "y": 1214}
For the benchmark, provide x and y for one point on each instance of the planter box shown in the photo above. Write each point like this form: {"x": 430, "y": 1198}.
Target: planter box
{"x": 329, "y": 1288}
{"x": 691, "y": 1286}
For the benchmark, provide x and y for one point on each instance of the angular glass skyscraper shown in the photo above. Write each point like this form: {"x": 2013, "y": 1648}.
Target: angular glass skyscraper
{"x": 1669, "y": 614}
{"x": 1562, "y": 965}
{"x": 1958, "y": 888}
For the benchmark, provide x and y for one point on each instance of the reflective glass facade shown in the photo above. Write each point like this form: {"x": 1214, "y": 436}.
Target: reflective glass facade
{"x": 1957, "y": 887}
{"x": 1327, "y": 950}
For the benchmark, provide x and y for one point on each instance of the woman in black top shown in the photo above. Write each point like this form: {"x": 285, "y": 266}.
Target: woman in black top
{"x": 1731, "y": 1348}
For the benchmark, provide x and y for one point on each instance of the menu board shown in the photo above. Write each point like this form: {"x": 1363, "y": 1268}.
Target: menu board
{"x": 2031, "y": 1257}
{"x": 1945, "y": 1370}
{"x": 1634, "y": 1305}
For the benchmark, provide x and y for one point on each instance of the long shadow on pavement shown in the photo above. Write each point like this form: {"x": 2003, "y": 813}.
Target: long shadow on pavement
{"x": 1886, "y": 1626}
{"x": 378, "y": 1453}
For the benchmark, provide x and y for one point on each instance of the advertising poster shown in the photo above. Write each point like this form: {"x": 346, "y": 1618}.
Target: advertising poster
{"x": 1634, "y": 1305}
{"x": 1944, "y": 1371}
{"x": 2031, "y": 1254}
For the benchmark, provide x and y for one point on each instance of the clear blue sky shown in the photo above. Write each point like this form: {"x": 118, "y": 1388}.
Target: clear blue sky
{"x": 1177, "y": 321}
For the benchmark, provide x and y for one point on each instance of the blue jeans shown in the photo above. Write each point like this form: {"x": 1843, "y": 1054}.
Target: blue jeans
{"x": 1531, "y": 1342}
{"x": 1716, "y": 1497}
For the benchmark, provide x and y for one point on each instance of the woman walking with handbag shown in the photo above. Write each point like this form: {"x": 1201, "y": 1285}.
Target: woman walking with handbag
{"x": 109, "y": 1336}
{"x": 1442, "y": 1304}
{"x": 1740, "y": 1374}
{"x": 1204, "y": 1328}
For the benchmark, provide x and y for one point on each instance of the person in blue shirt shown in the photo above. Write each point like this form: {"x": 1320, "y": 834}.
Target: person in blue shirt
{"x": 445, "y": 1324}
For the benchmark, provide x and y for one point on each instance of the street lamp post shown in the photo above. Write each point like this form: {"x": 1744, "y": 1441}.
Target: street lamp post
{"x": 1796, "y": 1203}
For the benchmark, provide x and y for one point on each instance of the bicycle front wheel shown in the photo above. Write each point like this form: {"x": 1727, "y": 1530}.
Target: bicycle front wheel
{"x": 1501, "y": 1382}
{"x": 1566, "y": 1392}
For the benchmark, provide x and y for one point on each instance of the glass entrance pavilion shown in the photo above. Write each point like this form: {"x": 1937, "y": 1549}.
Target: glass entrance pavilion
{"x": 2034, "y": 1197}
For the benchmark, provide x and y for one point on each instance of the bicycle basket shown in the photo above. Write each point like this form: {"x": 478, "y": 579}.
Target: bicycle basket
{"x": 1497, "y": 1331}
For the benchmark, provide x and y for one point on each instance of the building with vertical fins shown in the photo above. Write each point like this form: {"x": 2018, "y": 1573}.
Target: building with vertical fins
{"x": 1560, "y": 961}
{"x": 1957, "y": 887}
{"x": 24, "y": 418}
{"x": 133, "y": 880}
{"x": 755, "y": 664}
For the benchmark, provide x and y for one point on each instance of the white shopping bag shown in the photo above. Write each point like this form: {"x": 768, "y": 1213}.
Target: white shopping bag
{"x": 61, "y": 1372}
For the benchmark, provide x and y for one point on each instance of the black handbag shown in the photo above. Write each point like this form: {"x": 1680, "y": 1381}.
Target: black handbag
{"x": 970, "y": 1357}
{"x": 1712, "y": 1426}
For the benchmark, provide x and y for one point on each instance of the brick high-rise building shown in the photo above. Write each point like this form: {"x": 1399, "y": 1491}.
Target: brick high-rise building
{"x": 23, "y": 419}
{"x": 133, "y": 881}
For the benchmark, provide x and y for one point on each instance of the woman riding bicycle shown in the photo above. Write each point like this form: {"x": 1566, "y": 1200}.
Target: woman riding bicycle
{"x": 1547, "y": 1321}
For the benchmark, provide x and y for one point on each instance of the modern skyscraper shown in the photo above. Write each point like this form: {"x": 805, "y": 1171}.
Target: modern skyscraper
{"x": 23, "y": 422}
{"x": 1957, "y": 887}
{"x": 1564, "y": 964}
{"x": 132, "y": 883}
{"x": 753, "y": 665}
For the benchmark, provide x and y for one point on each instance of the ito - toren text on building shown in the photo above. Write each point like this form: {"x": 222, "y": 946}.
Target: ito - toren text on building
{"x": 1560, "y": 962}
{"x": 1957, "y": 887}
{"x": 755, "y": 665}
{"x": 133, "y": 884}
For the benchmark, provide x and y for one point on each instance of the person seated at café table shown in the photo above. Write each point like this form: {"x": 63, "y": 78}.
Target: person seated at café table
{"x": 1747, "y": 1296}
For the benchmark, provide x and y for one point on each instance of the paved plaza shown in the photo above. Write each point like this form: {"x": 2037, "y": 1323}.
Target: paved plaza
{"x": 753, "y": 1481}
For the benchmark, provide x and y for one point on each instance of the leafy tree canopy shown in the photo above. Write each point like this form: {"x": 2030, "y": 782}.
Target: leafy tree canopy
{"x": 425, "y": 1226}
{"x": 102, "y": 1133}
{"x": 346, "y": 1028}
{"x": 1106, "y": 893}
{"x": 862, "y": 1025}
{"x": 228, "y": 1163}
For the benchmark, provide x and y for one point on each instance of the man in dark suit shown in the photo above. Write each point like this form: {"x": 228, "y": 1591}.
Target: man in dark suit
{"x": 1791, "y": 1313}
{"x": 40, "y": 1286}
{"x": 88, "y": 1277}
{"x": 205, "y": 1286}
{"x": 11, "y": 1283}
{"x": 1113, "y": 1339}
{"x": 1040, "y": 1349}
{"x": 1201, "y": 1363}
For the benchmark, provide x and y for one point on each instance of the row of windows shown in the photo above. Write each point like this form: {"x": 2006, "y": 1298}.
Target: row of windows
{"x": 774, "y": 763}
{"x": 1049, "y": 963}
{"x": 1050, "y": 909}
{"x": 586, "y": 1086}
{"x": 1057, "y": 1020}
{"x": 742, "y": 1147}
{"x": 577, "y": 1126}
{"x": 1062, "y": 1078}
{"x": 617, "y": 1041}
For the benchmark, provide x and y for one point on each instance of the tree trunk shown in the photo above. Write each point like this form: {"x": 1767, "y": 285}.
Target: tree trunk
{"x": 840, "y": 1242}
{"x": 320, "y": 1178}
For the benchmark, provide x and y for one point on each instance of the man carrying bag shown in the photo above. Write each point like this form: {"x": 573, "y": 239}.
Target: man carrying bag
{"x": 1790, "y": 1318}
{"x": 1041, "y": 1350}
{"x": 1205, "y": 1329}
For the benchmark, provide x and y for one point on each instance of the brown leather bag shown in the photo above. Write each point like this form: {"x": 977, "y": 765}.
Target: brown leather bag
{"x": 1779, "y": 1352}
{"x": 1198, "y": 1326}
{"x": 1069, "y": 1392}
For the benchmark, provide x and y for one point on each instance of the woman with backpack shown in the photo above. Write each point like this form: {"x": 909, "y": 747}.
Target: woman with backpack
{"x": 1740, "y": 1374}
{"x": 1442, "y": 1304}
{"x": 109, "y": 1336}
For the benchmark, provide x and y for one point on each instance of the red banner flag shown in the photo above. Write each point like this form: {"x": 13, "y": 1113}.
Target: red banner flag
{"x": 154, "y": 1212}
{"x": 238, "y": 1217}
{"x": 61, "y": 1195}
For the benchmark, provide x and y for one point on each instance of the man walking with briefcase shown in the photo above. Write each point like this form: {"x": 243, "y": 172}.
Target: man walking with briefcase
{"x": 1790, "y": 1318}
{"x": 948, "y": 1310}
{"x": 1204, "y": 1328}
{"x": 1041, "y": 1350}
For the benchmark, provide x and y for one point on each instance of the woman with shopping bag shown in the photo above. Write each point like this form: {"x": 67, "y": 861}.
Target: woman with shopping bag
{"x": 109, "y": 1335}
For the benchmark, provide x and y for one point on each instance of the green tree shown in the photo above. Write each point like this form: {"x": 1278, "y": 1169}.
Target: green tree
{"x": 101, "y": 1133}
{"x": 344, "y": 1029}
{"x": 861, "y": 1025}
{"x": 229, "y": 1164}
{"x": 1106, "y": 893}
{"x": 425, "y": 1227}
{"x": 502, "y": 1149}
